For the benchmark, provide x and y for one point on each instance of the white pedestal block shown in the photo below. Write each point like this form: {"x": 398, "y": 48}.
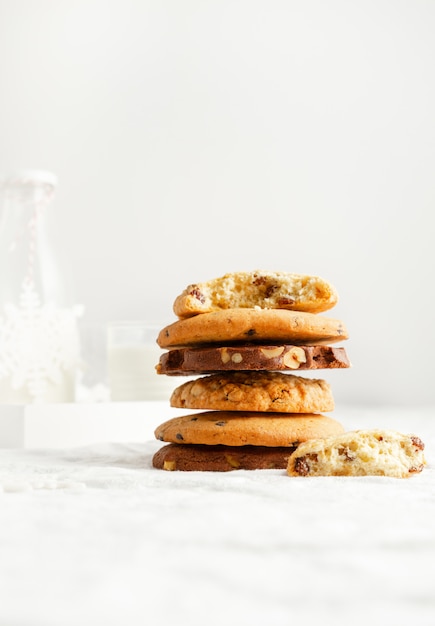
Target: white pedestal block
{"x": 77, "y": 424}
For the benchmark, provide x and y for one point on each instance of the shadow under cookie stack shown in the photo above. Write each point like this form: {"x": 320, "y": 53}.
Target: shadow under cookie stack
{"x": 246, "y": 335}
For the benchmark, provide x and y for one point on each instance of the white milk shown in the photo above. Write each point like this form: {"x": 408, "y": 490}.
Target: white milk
{"x": 132, "y": 356}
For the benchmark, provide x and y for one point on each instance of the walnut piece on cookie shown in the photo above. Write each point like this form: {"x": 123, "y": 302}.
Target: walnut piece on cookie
{"x": 255, "y": 391}
{"x": 359, "y": 453}
{"x": 259, "y": 288}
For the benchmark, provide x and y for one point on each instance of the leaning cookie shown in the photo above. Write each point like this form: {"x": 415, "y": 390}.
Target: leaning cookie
{"x": 254, "y": 326}
{"x": 241, "y": 428}
{"x": 255, "y": 391}
{"x": 283, "y": 357}
{"x": 359, "y": 453}
{"x": 259, "y": 288}
{"x": 203, "y": 458}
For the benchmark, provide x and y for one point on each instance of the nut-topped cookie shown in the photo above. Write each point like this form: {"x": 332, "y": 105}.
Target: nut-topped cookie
{"x": 254, "y": 326}
{"x": 255, "y": 391}
{"x": 271, "y": 357}
{"x": 241, "y": 428}
{"x": 259, "y": 288}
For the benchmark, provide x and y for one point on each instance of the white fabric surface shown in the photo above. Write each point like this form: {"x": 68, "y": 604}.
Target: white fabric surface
{"x": 94, "y": 535}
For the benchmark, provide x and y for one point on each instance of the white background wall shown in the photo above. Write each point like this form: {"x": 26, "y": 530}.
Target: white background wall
{"x": 196, "y": 137}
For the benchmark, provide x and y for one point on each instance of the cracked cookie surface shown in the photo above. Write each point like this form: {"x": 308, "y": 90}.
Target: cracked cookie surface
{"x": 255, "y": 391}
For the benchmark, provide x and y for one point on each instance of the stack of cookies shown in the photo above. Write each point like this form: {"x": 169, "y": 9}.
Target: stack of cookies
{"x": 242, "y": 337}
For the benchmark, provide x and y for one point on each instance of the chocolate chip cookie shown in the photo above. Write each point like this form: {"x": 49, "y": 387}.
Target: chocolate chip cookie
{"x": 259, "y": 288}
{"x": 253, "y": 326}
{"x": 241, "y": 428}
{"x": 359, "y": 453}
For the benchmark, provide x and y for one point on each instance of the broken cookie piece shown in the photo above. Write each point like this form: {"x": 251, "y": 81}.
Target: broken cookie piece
{"x": 259, "y": 288}
{"x": 359, "y": 453}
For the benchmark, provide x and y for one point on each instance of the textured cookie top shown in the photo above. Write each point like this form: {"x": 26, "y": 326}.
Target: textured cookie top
{"x": 254, "y": 326}
{"x": 259, "y": 288}
{"x": 285, "y": 357}
{"x": 255, "y": 391}
{"x": 231, "y": 428}
{"x": 360, "y": 453}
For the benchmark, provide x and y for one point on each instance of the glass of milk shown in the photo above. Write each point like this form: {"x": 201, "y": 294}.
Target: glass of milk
{"x": 132, "y": 356}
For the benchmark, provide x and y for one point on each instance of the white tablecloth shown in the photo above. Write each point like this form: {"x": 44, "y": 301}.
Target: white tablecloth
{"x": 95, "y": 536}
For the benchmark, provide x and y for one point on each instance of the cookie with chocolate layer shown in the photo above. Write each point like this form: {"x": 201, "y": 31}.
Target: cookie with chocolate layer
{"x": 271, "y": 357}
{"x": 203, "y": 458}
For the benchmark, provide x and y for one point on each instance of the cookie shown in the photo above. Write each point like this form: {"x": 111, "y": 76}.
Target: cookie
{"x": 254, "y": 391}
{"x": 253, "y": 326}
{"x": 359, "y": 453}
{"x": 203, "y": 458}
{"x": 206, "y": 360}
{"x": 267, "y": 290}
{"x": 241, "y": 428}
